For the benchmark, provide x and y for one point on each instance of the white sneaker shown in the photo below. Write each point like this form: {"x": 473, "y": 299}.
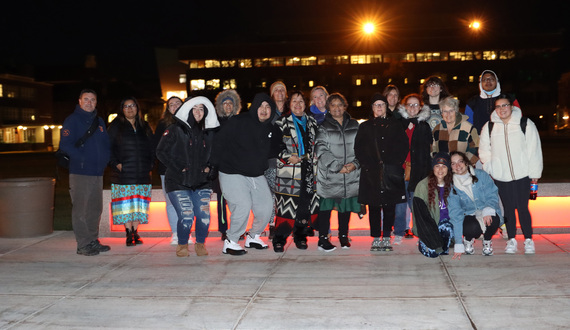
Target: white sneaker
{"x": 232, "y": 248}
{"x": 254, "y": 242}
{"x": 528, "y": 246}
{"x": 397, "y": 240}
{"x": 487, "y": 248}
{"x": 174, "y": 239}
{"x": 468, "y": 246}
{"x": 511, "y": 246}
{"x": 504, "y": 231}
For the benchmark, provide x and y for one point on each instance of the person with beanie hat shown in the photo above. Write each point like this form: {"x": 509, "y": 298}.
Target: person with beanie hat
{"x": 381, "y": 147}
{"x": 430, "y": 212}
{"x": 278, "y": 92}
{"x": 480, "y": 107}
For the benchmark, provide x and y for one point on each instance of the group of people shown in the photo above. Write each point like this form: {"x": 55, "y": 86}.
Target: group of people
{"x": 291, "y": 162}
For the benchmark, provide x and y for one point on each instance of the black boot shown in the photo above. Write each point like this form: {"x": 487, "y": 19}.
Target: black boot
{"x": 136, "y": 238}
{"x": 130, "y": 241}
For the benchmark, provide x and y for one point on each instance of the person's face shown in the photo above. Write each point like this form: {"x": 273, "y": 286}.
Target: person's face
{"x": 379, "y": 108}
{"x": 264, "y": 111}
{"x": 433, "y": 89}
{"x": 392, "y": 98}
{"x": 279, "y": 93}
{"x": 440, "y": 172}
{"x": 337, "y": 109}
{"x": 173, "y": 105}
{"x": 228, "y": 107}
{"x": 504, "y": 109}
{"x": 488, "y": 82}
{"x": 412, "y": 106}
{"x": 448, "y": 113}
{"x": 458, "y": 166}
{"x": 198, "y": 112}
{"x": 88, "y": 102}
{"x": 297, "y": 105}
{"x": 319, "y": 99}
{"x": 130, "y": 109}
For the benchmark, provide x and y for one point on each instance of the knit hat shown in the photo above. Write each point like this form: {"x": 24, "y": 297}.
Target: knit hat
{"x": 275, "y": 84}
{"x": 441, "y": 158}
{"x": 378, "y": 96}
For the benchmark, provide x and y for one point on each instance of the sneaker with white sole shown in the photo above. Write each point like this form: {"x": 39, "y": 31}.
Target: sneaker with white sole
{"x": 254, "y": 242}
{"x": 487, "y": 248}
{"x": 469, "y": 246}
{"x": 528, "y": 246}
{"x": 325, "y": 244}
{"x": 397, "y": 240}
{"x": 233, "y": 248}
{"x": 511, "y": 246}
{"x": 376, "y": 245}
{"x": 385, "y": 244}
{"x": 174, "y": 239}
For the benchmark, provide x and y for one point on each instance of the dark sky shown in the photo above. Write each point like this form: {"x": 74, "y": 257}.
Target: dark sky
{"x": 62, "y": 31}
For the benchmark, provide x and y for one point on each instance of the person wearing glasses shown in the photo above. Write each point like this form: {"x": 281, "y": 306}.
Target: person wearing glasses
{"x": 512, "y": 155}
{"x": 381, "y": 147}
{"x": 418, "y": 160}
{"x": 131, "y": 163}
{"x": 480, "y": 107}
{"x": 455, "y": 133}
{"x": 433, "y": 91}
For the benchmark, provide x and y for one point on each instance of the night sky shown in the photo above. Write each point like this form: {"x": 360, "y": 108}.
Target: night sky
{"x": 63, "y": 32}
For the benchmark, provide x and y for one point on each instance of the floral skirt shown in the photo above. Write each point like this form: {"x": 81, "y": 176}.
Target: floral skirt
{"x": 130, "y": 203}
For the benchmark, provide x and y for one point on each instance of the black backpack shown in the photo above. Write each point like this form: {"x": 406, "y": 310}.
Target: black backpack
{"x": 523, "y": 126}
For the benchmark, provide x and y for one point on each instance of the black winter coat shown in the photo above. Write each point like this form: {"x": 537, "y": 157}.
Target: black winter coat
{"x": 381, "y": 184}
{"x": 133, "y": 148}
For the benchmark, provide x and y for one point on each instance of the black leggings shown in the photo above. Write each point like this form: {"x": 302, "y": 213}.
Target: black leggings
{"x": 375, "y": 219}
{"x": 472, "y": 228}
{"x": 324, "y": 222}
{"x": 514, "y": 195}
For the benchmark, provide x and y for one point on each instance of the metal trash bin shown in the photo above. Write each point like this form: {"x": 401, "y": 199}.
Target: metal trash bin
{"x": 26, "y": 207}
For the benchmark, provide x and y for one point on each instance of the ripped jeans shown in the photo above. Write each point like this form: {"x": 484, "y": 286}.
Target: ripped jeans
{"x": 189, "y": 204}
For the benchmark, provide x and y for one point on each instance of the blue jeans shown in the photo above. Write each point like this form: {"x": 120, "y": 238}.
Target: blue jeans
{"x": 189, "y": 204}
{"x": 170, "y": 210}
{"x": 403, "y": 211}
{"x": 446, "y": 232}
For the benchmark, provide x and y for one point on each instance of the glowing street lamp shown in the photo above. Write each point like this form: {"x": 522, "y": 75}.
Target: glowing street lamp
{"x": 475, "y": 25}
{"x": 368, "y": 28}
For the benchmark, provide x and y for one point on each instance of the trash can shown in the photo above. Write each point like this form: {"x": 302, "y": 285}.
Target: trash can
{"x": 26, "y": 207}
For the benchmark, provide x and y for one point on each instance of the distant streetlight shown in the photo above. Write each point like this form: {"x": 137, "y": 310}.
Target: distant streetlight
{"x": 368, "y": 28}
{"x": 475, "y": 25}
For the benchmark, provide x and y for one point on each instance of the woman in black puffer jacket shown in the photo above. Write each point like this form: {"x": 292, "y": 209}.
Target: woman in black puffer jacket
{"x": 132, "y": 160}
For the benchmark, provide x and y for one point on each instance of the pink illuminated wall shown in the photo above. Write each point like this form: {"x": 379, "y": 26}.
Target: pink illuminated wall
{"x": 546, "y": 212}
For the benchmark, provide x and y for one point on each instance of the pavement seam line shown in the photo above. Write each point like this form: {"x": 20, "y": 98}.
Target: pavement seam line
{"x": 255, "y": 294}
{"x": 457, "y": 294}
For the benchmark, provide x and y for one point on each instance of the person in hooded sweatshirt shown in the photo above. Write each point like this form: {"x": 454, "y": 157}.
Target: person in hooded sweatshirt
{"x": 228, "y": 104}
{"x": 480, "y": 107}
{"x": 185, "y": 149}
{"x": 241, "y": 150}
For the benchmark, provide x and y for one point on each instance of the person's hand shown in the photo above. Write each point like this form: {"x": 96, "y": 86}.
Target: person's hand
{"x": 120, "y": 167}
{"x": 350, "y": 167}
{"x": 456, "y": 256}
{"x": 487, "y": 220}
{"x": 294, "y": 159}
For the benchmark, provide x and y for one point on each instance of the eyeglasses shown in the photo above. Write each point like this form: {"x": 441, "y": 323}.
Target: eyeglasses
{"x": 127, "y": 106}
{"x": 379, "y": 105}
{"x": 433, "y": 85}
{"x": 498, "y": 106}
{"x": 412, "y": 105}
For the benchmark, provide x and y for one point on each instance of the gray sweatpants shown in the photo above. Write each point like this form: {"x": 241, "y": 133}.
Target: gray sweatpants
{"x": 87, "y": 204}
{"x": 245, "y": 194}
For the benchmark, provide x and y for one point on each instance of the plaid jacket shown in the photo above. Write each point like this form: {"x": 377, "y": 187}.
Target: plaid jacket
{"x": 463, "y": 137}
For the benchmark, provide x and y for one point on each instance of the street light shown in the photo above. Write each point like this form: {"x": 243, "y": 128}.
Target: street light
{"x": 475, "y": 25}
{"x": 368, "y": 28}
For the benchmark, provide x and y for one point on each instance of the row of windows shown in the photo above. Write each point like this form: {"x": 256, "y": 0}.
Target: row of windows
{"x": 20, "y": 92}
{"x": 14, "y": 114}
{"x": 353, "y": 59}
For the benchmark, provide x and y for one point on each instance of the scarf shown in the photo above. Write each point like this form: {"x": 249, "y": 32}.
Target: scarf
{"x": 465, "y": 183}
{"x": 303, "y": 123}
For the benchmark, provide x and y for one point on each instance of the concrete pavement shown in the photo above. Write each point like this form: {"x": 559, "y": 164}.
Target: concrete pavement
{"x": 45, "y": 284}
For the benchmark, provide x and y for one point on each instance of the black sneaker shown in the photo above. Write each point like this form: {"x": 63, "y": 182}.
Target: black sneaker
{"x": 100, "y": 247}
{"x": 88, "y": 250}
{"x": 325, "y": 245}
{"x": 344, "y": 242}
{"x": 301, "y": 244}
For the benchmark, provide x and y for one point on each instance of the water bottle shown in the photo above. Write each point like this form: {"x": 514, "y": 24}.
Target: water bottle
{"x": 533, "y": 190}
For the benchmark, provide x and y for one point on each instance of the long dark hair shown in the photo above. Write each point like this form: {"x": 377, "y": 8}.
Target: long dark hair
{"x": 444, "y": 92}
{"x": 467, "y": 163}
{"x": 139, "y": 121}
{"x": 167, "y": 117}
{"x": 433, "y": 187}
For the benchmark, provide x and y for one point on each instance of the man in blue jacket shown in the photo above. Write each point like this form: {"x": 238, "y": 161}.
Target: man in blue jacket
{"x": 87, "y": 163}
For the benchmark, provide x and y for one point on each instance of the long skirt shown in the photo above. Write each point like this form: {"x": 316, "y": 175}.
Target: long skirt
{"x": 130, "y": 203}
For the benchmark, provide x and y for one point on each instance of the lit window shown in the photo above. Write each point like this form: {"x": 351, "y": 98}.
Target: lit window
{"x": 228, "y": 64}
{"x": 293, "y": 61}
{"x": 180, "y": 94}
{"x": 454, "y": 77}
{"x": 422, "y": 81}
{"x": 212, "y": 64}
{"x": 212, "y": 84}
{"x": 358, "y": 82}
{"x": 343, "y": 59}
{"x": 471, "y": 79}
{"x": 245, "y": 63}
{"x": 374, "y": 81}
{"x": 264, "y": 84}
{"x": 111, "y": 117}
{"x": 197, "y": 84}
{"x": 405, "y": 81}
{"x": 229, "y": 84}
{"x": 389, "y": 80}
{"x": 489, "y": 55}
{"x": 1, "y": 91}
{"x": 182, "y": 78}
{"x": 307, "y": 61}
{"x": 358, "y": 103}
{"x": 311, "y": 83}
